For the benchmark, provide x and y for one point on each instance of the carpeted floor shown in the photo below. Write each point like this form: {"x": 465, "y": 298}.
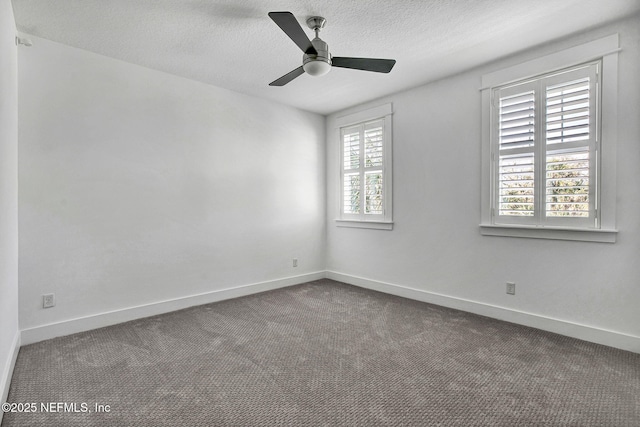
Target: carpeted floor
{"x": 324, "y": 354}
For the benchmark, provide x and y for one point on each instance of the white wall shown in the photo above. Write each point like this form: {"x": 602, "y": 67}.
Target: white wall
{"x": 9, "y": 333}
{"x": 139, "y": 187}
{"x": 436, "y": 248}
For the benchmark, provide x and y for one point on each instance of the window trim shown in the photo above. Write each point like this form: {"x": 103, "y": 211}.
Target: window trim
{"x": 606, "y": 49}
{"x": 384, "y": 222}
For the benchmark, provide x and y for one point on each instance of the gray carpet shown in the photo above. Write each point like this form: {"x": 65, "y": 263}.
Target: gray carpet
{"x": 325, "y": 354}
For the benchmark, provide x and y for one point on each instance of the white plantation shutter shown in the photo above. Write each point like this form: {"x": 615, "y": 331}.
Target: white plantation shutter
{"x": 568, "y": 111}
{"x": 567, "y": 184}
{"x": 351, "y": 165}
{"x": 363, "y": 162}
{"x": 570, "y": 137}
{"x": 374, "y": 193}
{"x": 570, "y": 147}
{"x": 516, "y": 144}
{"x": 546, "y": 149}
{"x": 516, "y": 185}
{"x": 351, "y": 199}
{"x": 373, "y": 139}
{"x": 517, "y": 121}
{"x": 373, "y": 159}
{"x": 351, "y": 147}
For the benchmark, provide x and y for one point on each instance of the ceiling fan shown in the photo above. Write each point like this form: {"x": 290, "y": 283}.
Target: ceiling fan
{"x": 317, "y": 61}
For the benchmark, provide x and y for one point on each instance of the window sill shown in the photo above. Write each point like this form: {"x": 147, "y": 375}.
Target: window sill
{"x": 578, "y": 234}
{"x": 377, "y": 225}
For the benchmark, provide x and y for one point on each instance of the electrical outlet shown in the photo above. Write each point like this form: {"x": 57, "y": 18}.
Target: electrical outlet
{"x": 511, "y": 288}
{"x": 295, "y": 262}
{"x": 48, "y": 300}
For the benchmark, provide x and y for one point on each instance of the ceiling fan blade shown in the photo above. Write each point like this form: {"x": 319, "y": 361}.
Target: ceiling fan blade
{"x": 289, "y": 24}
{"x": 288, "y": 77}
{"x": 366, "y": 64}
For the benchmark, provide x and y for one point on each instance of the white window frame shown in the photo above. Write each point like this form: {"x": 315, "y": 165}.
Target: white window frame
{"x": 382, "y": 221}
{"x": 606, "y": 50}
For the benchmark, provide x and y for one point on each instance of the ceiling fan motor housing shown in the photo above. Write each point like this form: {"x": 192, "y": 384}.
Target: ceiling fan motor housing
{"x": 320, "y": 64}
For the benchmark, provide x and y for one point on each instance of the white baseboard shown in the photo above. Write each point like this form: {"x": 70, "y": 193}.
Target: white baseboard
{"x": 86, "y": 323}
{"x": 7, "y": 372}
{"x": 562, "y": 327}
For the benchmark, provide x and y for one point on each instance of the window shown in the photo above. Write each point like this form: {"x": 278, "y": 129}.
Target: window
{"x": 365, "y": 159}
{"x": 549, "y": 146}
{"x": 545, "y": 149}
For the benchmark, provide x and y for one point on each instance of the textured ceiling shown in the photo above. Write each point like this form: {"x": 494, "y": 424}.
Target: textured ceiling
{"x": 233, "y": 43}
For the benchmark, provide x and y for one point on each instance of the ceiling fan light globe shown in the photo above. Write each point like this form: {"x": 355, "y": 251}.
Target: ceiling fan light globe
{"x": 316, "y": 68}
